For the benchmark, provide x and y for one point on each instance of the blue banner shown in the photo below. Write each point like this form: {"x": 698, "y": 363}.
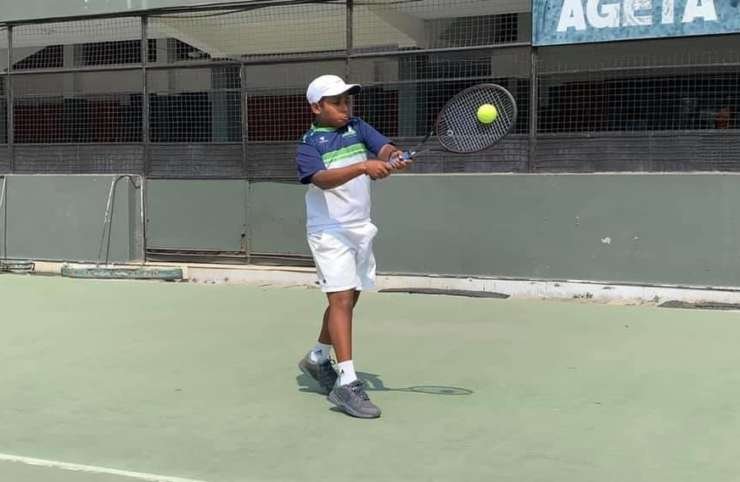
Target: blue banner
{"x": 580, "y": 21}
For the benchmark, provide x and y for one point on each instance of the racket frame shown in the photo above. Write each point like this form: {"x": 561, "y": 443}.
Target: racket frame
{"x": 410, "y": 154}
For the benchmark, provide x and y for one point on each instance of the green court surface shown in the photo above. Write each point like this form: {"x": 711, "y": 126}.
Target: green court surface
{"x": 200, "y": 382}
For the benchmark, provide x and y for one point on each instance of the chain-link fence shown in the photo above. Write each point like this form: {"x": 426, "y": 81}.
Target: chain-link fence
{"x": 654, "y": 105}
{"x": 5, "y": 164}
{"x": 219, "y": 92}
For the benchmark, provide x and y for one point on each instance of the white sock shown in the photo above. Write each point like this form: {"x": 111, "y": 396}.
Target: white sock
{"x": 320, "y": 353}
{"x": 346, "y": 372}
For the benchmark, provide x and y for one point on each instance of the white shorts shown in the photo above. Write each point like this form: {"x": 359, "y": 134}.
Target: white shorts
{"x": 344, "y": 257}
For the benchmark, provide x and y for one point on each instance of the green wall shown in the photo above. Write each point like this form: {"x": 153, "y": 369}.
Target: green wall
{"x": 196, "y": 215}
{"x": 277, "y": 218}
{"x": 61, "y": 218}
{"x": 674, "y": 229}
{"x": 630, "y": 228}
{"x": 226, "y": 215}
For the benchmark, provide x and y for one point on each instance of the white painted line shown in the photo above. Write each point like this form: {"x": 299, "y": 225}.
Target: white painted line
{"x": 91, "y": 469}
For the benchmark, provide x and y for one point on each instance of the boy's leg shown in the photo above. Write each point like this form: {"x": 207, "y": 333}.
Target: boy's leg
{"x": 339, "y": 322}
{"x": 349, "y": 394}
{"x": 335, "y": 265}
{"x": 317, "y": 363}
{"x": 336, "y": 258}
{"x": 324, "y": 336}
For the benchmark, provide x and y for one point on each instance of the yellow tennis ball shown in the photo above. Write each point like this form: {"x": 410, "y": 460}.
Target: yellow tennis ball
{"x": 487, "y": 113}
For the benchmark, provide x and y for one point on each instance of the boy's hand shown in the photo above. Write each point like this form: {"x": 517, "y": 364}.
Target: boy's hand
{"x": 399, "y": 160}
{"x": 377, "y": 169}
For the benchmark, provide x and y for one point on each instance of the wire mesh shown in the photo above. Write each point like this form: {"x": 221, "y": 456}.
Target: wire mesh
{"x": 3, "y": 110}
{"x": 653, "y": 86}
{"x": 278, "y": 114}
{"x": 84, "y": 43}
{"x": 277, "y": 109}
{"x": 78, "y": 108}
{"x": 5, "y": 163}
{"x": 666, "y": 104}
{"x": 196, "y": 161}
{"x": 595, "y": 108}
{"x": 401, "y": 98}
{"x": 673, "y": 99}
{"x": 3, "y": 49}
{"x": 195, "y": 105}
{"x": 4, "y": 157}
{"x": 392, "y": 25}
{"x": 403, "y": 95}
{"x": 251, "y": 32}
{"x": 195, "y": 122}
{"x": 78, "y": 158}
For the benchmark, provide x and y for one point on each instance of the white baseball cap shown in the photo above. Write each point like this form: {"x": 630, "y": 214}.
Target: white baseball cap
{"x": 328, "y": 85}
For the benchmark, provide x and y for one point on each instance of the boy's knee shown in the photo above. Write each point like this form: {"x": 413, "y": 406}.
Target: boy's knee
{"x": 342, "y": 300}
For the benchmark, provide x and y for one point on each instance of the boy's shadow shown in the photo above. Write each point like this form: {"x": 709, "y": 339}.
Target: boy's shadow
{"x": 373, "y": 383}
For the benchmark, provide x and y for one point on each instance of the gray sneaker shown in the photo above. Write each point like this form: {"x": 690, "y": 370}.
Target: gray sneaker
{"x": 323, "y": 373}
{"x": 353, "y": 400}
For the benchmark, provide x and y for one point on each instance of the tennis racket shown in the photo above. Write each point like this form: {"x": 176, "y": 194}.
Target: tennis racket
{"x": 458, "y": 128}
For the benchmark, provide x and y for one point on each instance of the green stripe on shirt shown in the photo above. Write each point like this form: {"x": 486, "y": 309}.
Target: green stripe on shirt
{"x": 343, "y": 153}
{"x": 322, "y": 129}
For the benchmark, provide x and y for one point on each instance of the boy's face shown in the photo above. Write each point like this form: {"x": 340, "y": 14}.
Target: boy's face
{"x": 334, "y": 111}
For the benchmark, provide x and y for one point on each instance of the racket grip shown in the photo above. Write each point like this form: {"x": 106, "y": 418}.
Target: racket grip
{"x": 404, "y": 156}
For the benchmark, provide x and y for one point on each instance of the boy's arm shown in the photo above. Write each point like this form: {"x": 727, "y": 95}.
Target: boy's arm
{"x": 394, "y": 155}
{"x": 331, "y": 178}
{"x": 385, "y": 152}
{"x": 380, "y": 144}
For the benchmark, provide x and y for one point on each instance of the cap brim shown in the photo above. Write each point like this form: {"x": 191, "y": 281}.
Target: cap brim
{"x": 349, "y": 89}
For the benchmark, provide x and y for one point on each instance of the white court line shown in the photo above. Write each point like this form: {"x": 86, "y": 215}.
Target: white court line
{"x": 91, "y": 469}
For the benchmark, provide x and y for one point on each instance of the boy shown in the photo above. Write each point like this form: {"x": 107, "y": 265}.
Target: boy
{"x": 333, "y": 160}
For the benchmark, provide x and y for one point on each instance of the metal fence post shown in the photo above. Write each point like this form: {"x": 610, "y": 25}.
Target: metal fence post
{"x": 246, "y": 243}
{"x": 349, "y": 41}
{"x": 243, "y": 102}
{"x": 11, "y": 102}
{"x": 145, "y": 94}
{"x": 533, "y": 101}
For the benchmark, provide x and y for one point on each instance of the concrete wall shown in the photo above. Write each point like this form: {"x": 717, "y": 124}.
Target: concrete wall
{"x": 61, "y": 218}
{"x": 277, "y": 218}
{"x": 677, "y": 229}
{"x": 196, "y": 215}
{"x": 662, "y": 228}
{"x": 628, "y": 228}
{"x": 226, "y": 216}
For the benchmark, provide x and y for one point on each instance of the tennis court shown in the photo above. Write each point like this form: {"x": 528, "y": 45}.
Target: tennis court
{"x": 165, "y": 381}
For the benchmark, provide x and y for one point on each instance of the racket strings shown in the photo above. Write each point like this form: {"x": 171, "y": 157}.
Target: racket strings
{"x": 458, "y": 128}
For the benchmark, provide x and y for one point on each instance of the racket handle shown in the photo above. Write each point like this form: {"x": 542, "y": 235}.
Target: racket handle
{"x": 404, "y": 156}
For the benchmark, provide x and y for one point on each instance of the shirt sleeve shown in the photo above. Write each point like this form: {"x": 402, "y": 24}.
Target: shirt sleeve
{"x": 373, "y": 139}
{"x": 309, "y": 162}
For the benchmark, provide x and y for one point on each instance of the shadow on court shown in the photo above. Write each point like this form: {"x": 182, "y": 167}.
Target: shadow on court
{"x": 373, "y": 383}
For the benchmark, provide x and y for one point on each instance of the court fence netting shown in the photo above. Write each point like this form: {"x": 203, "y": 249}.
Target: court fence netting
{"x": 218, "y": 92}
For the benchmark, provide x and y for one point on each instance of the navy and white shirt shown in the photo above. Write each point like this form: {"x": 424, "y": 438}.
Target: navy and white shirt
{"x": 328, "y": 148}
